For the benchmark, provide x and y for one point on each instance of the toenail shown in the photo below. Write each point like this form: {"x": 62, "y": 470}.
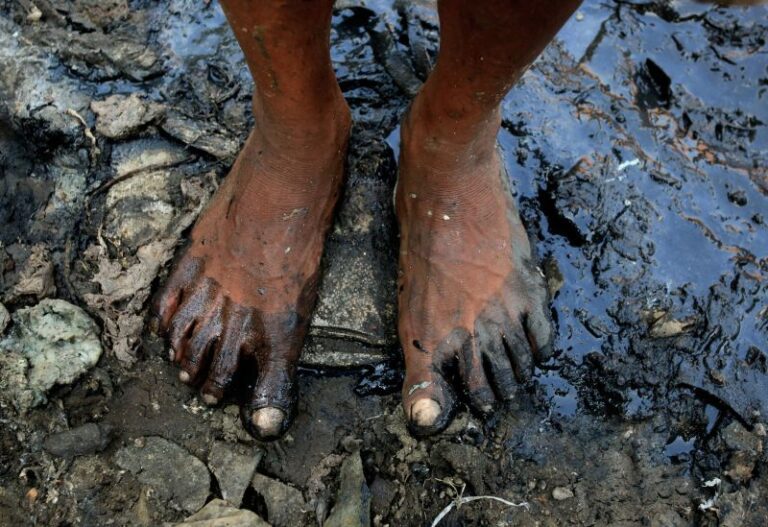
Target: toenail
{"x": 183, "y": 376}
{"x": 171, "y": 355}
{"x": 425, "y": 412}
{"x": 268, "y": 421}
{"x": 209, "y": 399}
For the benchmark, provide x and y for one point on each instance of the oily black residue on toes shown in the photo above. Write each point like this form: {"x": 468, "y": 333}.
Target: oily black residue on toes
{"x": 277, "y": 364}
{"x": 221, "y": 345}
{"x": 444, "y": 395}
{"x": 184, "y": 272}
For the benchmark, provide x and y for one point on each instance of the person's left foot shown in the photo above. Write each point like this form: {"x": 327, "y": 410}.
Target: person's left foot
{"x": 470, "y": 295}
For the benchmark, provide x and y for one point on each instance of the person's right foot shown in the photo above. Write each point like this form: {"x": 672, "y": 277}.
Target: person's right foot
{"x": 247, "y": 283}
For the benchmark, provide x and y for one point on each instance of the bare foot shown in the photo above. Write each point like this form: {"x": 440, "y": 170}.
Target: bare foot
{"x": 470, "y": 295}
{"x": 246, "y": 285}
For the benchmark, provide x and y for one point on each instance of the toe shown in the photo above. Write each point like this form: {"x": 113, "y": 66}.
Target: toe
{"x": 200, "y": 346}
{"x": 472, "y": 371}
{"x": 519, "y": 351}
{"x": 271, "y": 408}
{"x": 269, "y": 422}
{"x": 167, "y": 301}
{"x": 424, "y": 412}
{"x": 185, "y": 319}
{"x": 496, "y": 364}
{"x": 540, "y": 334}
{"x": 428, "y": 400}
{"x": 180, "y": 330}
{"x": 236, "y": 338}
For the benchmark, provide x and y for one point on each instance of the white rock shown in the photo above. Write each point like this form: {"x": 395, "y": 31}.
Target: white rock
{"x": 175, "y": 476}
{"x": 562, "y": 493}
{"x": 234, "y": 466}
{"x": 52, "y": 343}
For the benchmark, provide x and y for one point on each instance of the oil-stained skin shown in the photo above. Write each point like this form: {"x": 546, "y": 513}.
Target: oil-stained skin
{"x": 247, "y": 283}
{"x": 471, "y": 298}
{"x": 243, "y": 291}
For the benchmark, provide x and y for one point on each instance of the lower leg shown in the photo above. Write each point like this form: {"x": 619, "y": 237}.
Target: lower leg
{"x": 470, "y": 294}
{"x": 245, "y": 287}
{"x": 486, "y": 46}
{"x": 286, "y": 47}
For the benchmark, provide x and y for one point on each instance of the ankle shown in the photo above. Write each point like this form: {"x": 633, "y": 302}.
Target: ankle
{"x": 453, "y": 120}
{"x": 448, "y": 147}
{"x": 316, "y": 120}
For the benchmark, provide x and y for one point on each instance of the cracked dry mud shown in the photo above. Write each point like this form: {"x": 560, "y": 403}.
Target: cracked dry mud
{"x": 636, "y": 147}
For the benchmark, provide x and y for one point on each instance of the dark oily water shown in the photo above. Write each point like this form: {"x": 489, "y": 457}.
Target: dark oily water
{"x": 638, "y": 146}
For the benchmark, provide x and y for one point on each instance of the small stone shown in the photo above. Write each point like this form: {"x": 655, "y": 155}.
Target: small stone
{"x": 233, "y": 466}
{"x": 219, "y": 513}
{"x": 120, "y": 116}
{"x": 5, "y": 318}
{"x": 717, "y": 377}
{"x": 683, "y": 488}
{"x": 36, "y": 277}
{"x": 85, "y": 439}
{"x": 562, "y": 493}
{"x": 201, "y": 135}
{"x": 34, "y": 14}
{"x": 553, "y": 275}
{"x": 285, "y": 504}
{"x": 174, "y": 475}
{"x": 353, "y": 502}
{"x": 667, "y": 327}
{"x": 738, "y": 197}
{"x": 32, "y": 495}
{"x": 146, "y": 154}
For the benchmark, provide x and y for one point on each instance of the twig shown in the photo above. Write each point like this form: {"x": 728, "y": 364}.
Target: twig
{"x": 86, "y": 131}
{"x": 461, "y": 501}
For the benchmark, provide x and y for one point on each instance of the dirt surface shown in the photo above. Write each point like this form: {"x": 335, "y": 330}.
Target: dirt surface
{"x": 637, "y": 147}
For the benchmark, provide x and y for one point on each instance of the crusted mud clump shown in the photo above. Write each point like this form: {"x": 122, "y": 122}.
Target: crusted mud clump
{"x": 636, "y": 147}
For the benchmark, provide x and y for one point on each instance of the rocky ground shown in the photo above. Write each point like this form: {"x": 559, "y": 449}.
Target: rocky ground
{"x": 637, "y": 147}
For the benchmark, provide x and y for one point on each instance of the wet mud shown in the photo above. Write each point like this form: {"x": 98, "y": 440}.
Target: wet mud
{"x": 637, "y": 149}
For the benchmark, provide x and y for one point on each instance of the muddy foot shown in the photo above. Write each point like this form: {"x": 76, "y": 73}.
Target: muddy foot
{"x": 471, "y": 298}
{"x": 242, "y": 293}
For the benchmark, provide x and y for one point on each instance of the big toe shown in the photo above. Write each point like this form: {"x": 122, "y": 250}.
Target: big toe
{"x": 268, "y": 423}
{"x": 273, "y": 402}
{"x": 428, "y": 402}
{"x": 425, "y": 413}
